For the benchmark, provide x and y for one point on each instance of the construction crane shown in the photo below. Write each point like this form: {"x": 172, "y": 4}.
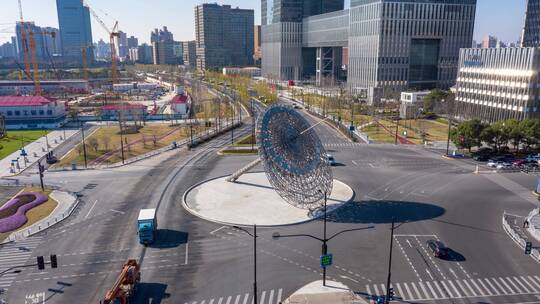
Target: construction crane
{"x": 125, "y": 285}
{"x": 112, "y": 34}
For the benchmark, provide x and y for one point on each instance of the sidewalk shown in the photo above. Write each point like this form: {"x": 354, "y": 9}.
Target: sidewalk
{"x": 316, "y": 293}
{"x": 35, "y": 150}
{"x": 66, "y": 204}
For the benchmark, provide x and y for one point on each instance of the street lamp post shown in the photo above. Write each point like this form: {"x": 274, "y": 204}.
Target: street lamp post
{"x": 387, "y": 298}
{"x": 252, "y": 127}
{"x": 254, "y": 235}
{"x": 84, "y": 145}
{"x": 324, "y": 240}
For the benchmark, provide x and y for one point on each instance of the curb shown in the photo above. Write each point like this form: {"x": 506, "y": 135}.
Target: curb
{"x": 188, "y": 209}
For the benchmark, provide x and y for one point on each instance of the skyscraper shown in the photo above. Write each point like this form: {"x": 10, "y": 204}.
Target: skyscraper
{"x": 132, "y": 42}
{"x": 257, "y": 53}
{"x": 489, "y": 42}
{"x": 531, "y": 31}
{"x": 75, "y": 28}
{"x": 51, "y": 41}
{"x": 224, "y": 36}
{"x": 121, "y": 43}
{"x": 30, "y": 29}
{"x": 393, "y": 45}
{"x": 103, "y": 50}
{"x": 190, "y": 55}
{"x": 144, "y": 54}
{"x": 163, "y": 46}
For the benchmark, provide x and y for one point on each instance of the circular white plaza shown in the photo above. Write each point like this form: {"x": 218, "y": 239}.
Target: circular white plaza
{"x": 252, "y": 200}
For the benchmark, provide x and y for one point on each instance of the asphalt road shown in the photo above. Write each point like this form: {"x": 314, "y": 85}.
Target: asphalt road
{"x": 195, "y": 261}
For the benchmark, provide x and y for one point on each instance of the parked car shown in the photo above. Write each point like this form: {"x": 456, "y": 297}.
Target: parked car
{"x": 530, "y": 165}
{"x": 438, "y": 249}
{"x": 493, "y": 163}
{"x": 519, "y": 162}
{"x": 481, "y": 157}
{"x": 504, "y": 165}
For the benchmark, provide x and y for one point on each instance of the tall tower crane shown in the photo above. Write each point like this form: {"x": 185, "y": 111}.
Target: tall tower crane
{"x": 29, "y": 46}
{"x": 112, "y": 34}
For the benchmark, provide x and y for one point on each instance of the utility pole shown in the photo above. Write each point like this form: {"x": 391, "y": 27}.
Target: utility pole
{"x": 397, "y": 130}
{"x": 324, "y": 246}
{"x": 121, "y": 140}
{"x": 84, "y": 146}
{"x": 252, "y": 127}
{"x": 387, "y": 299}
{"x": 449, "y": 128}
{"x": 41, "y": 169}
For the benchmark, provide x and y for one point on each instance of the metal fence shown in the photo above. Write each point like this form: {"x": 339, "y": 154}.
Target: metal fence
{"x": 517, "y": 238}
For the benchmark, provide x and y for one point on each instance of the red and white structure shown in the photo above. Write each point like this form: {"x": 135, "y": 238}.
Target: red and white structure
{"x": 32, "y": 112}
{"x": 180, "y": 104}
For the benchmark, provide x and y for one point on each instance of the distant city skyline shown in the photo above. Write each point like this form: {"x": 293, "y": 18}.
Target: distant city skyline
{"x": 179, "y": 18}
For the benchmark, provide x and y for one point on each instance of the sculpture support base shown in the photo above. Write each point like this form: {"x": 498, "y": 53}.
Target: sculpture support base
{"x": 252, "y": 200}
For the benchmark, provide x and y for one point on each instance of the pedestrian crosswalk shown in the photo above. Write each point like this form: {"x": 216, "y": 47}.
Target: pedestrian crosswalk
{"x": 460, "y": 288}
{"x": 273, "y": 296}
{"x": 342, "y": 145}
{"x": 15, "y": 254}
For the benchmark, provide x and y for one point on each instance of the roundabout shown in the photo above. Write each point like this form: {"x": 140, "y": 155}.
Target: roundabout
{"x": 252, "y": 200}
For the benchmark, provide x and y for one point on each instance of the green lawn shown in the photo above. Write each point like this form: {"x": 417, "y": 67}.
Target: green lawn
{"x": 16, "y": 139}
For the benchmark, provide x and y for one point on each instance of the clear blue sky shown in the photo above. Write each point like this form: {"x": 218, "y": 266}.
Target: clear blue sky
{"x": 502, "y": 18}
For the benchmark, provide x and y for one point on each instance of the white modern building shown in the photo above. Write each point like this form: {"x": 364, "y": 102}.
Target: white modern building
{"x": 498, "y": 83}
{"x": 32, "y": 112}
{"x": 411, "y": 103}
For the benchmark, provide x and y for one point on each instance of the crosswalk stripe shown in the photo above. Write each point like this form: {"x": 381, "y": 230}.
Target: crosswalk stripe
{"x": 508, "y": 288}
{"x": 473, "y": 293}
{"x": 455, "y": 289}
{"x": 229, "y": 300}
{"x": 271, "y": 296}
{"x": 432, "y": 290}
{"x": 480, "y": 290}
{"x": 220, "y": 300}
{"x": 503, "y": 290}
{"x": 368, "y": 290}
{"x": 246, "y": 298}
{"x": 410, "y": 296}
{"x": 211, "y": 301}
{"x": 401, "y": 294}
{"x": 443, "y": 295}
{"x": 533, "y": 288}
{"x": 383, "y": 290}
{"x": 376, "y": 290}
{"x": 509, "y": 280}
{"x": 492, "y": 291}
{"x": 536, "y": 277}
{"x": 447, "y": 290}
{"x": 237, "y": 301}
{"x": 463, "y": 289}
{"x": 534, "y": 281}
{"x": 279, "y": 295}
{"x": 521, "y": 284}
{"x": 203, "y": 301}
{"x": 423, "y": 289}
{"x": 263, "y": 295}
{"x": 419, "y": 296}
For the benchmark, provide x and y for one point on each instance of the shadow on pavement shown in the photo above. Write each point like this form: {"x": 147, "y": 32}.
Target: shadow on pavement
{"x": 454, "y": 256}
{"x": 151, "y": 293}
{"x": 167, "y": 238}
{"x": 380, "y": 212}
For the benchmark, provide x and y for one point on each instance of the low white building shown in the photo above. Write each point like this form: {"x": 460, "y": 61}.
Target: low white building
{"x": 32, "y": 112}
{"x": 25, "y": 87}
{"x": 134, "y": 86}
{"x": 411, "y": 103}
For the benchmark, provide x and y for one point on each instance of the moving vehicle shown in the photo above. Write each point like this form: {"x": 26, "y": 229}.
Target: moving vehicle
{"x": 503, "y": 165}
{"x": 147, "y": 226}
{"x": 126, "y": 284}
{"x": 438, "y": 249}
{"x": 331, "y": 159}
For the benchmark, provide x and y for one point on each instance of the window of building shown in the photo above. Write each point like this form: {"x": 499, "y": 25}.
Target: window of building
{"x": 49, "y": 112}
{"x": 424, "y": 63}
{"x": 17, "y": 113}
{"x": 9, "y": 113}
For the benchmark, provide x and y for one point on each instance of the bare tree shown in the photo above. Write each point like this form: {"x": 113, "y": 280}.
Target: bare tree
{"x": 93, "y": 143}
{"x": 106, "y": 142}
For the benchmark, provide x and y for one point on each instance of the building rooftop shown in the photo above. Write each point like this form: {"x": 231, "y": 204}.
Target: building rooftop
{"x": 29, "y": 82}
{"x": 24, "y": 101}
{"x": 123, "y": 107}
{"x": 179, "y": 99}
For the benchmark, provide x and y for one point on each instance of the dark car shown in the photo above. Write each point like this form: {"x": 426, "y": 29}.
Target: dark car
{"x": 437, "y": 248}
{"x": 481, "y": 157}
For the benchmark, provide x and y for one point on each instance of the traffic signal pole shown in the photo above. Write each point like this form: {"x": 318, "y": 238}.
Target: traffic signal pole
{"x": 41, "y": 169}
{"x": 387, "y": 299}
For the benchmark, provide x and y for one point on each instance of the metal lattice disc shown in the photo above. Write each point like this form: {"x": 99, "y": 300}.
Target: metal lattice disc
{"x": 293, "y": 156}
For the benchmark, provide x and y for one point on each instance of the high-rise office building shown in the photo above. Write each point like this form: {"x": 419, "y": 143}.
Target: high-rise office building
{"x": 163, "y": 47}
{"x": 531, "y": 31}
{"x": 51, "y": 40}
{"x": 489, "y": 42}
{"x": 7, "y": 50}
{"x": 121, "y": 44}
{"x": 26, "y": 30}
{"x": 103, "y": 50}
{"x": 392, "y": 45}
{"x": 178, "y": 52}
{"x": 132, "y": 42}
{"x": 257, "y": 53}
{"x": 190, "y": 53}
{"x": 145, "y": 54}
{"x": 75, "y": 28}
{"x": 224, "y": 36}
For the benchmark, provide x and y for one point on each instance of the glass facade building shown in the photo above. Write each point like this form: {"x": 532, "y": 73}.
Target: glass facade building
{"x": 75, "y": 29}
{"x": 531, "y": 31}
{"x": 392, "y": 44}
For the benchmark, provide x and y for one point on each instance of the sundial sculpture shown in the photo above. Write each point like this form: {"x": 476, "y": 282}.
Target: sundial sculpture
{"x": 294, "y": 159}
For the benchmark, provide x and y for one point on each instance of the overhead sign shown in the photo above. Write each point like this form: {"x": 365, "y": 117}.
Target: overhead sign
{"x": 326, "y": 260}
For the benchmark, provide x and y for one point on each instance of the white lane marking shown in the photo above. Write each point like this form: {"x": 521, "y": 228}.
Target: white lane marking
{"x": 453, "y": 272}
{"x": 493, "y": 290}
{"x": 376, "y": 290}
{"x": 408, "y": 242}
{"x": 368, "y": 290}
{"x": 246, "y": 298}
{"x": 237, "y": 301}
{"x": 429, "y": 273}
{"x": 503, "y": 291}
{"x": 401, "y": 294}
{"x": 510, "y": 290}
{"x": 423, "y": 289}
{"x": 448, "y": 291}
{"x": 533, "y": 280}
{"x": 229, "y": 300}
{"x": 441, "y": 292}
{"x": 482, "y": 292}
{"x": 216, "y": 230}
{"x": 121, "y": 212}
{"x": 280, "y": 291}
{"x": 417, "y": 291}
{"x": 509, "y": 279}
{"x": 220, "y": 300}
{"x": 528, "y": 283}
{"x": 271, "y": 296}
{"x": 355, "y": 163}
{"x": 455, "y": 288}
{"x": 262, "y": 297}
{"x": 90, "y": 211}
{"x": 521, "y": 284}
{"x": 432, "y": 290}
{"x": 187, "y": 254}
{"x": 473, "y": 293}
{"x": 408, "y": 291}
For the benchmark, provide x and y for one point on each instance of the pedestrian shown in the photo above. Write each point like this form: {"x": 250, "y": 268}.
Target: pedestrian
{"x": 526, "y": 224}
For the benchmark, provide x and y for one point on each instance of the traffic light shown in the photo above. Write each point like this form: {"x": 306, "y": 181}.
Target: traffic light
{"x": 528, "y": 247}
{"x": 54, "y": 261}
{"x": 40, "y": 262}
{"x": 391, "y": 293}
